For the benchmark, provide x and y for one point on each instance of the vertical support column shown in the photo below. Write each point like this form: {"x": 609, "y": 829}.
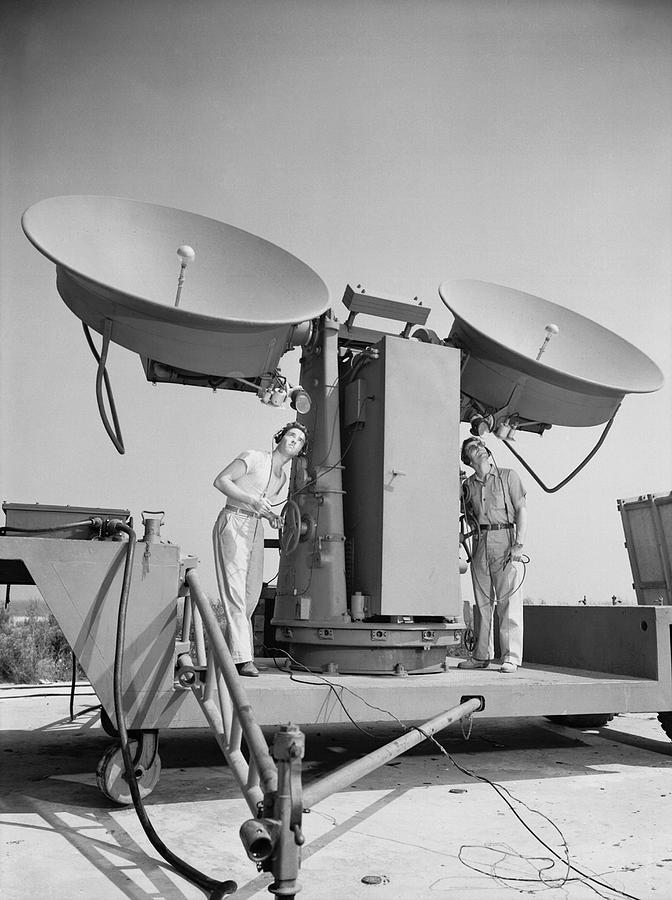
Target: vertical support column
{"x": 311, "y": 580}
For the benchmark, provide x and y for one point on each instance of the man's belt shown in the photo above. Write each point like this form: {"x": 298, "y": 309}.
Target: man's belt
{"x": 495, "y": 527}
{"x": 243, "y": 512}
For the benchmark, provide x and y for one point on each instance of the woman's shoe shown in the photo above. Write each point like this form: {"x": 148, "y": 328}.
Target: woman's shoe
{"x": 247, "y": 669}
{"x": 474, "y": 663}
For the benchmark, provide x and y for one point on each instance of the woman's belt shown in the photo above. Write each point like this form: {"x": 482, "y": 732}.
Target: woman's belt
{"x": 495, "y": 527}
{"x": 243, "y": 512}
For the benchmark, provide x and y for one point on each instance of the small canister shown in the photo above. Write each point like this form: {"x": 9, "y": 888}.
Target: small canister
{"x": 152, "y": 522}
{"x": 357, "y": 606}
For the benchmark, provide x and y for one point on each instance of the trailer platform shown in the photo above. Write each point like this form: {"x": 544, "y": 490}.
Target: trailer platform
{"x": 579, "y": 660}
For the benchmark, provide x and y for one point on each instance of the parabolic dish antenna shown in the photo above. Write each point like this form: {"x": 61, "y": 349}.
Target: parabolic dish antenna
{"x": 539, "y": 360}
{"x": 117, "y": 266}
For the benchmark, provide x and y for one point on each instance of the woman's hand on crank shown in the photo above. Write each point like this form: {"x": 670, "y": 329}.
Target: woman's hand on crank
{"x": 262, "y": 507}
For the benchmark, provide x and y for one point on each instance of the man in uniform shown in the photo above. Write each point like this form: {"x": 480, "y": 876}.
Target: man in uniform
{"x": 496, "y": 510}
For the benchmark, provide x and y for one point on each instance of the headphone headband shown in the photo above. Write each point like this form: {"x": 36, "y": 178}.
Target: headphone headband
{"x": 278, "y": 436}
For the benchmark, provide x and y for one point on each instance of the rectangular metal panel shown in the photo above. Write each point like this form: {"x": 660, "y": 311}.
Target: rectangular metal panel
{"x": 364, "y": 302}
{"x": 402, "y": 482}
{"x": 623, "y": 640}
{"x": 647, "y": 524}
{"x": 81, "y": 583}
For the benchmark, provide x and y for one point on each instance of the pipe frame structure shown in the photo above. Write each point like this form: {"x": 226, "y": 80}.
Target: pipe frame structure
{"x": 272, "y": 787}
{"x": 225, "y": 705}
{"x": 345, "y": 775}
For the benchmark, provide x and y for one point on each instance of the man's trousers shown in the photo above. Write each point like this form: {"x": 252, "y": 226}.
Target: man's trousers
{"x": 496, "y": 579}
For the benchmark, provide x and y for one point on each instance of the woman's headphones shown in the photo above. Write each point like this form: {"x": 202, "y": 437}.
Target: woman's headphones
{"x": 278, "y": 436}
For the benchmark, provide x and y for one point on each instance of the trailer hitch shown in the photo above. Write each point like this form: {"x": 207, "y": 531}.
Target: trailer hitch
{"x": 274, "y": 840}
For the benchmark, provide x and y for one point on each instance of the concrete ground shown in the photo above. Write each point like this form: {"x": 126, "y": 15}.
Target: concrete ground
{"x": 420, "y": 826}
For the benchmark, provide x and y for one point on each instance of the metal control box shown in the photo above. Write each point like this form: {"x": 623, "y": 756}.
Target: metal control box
{"x": 401, "y": 482}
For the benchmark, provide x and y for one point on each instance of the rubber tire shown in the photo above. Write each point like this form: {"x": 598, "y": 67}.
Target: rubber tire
{"x": 583, "y": 720}
{"x": 469, "y": 639}
{"x": 110, "y": 776}
{"x": 665, "y": 719}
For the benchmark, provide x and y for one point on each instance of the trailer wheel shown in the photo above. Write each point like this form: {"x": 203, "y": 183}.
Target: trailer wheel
{"x": 111, "y": 773}
{"x": 665, "y": 719}
{"x": 583, "y": 720}
{"x": 469, "y": 639}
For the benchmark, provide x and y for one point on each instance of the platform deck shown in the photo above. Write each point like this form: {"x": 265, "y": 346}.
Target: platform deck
{"x": 279, "y": 696}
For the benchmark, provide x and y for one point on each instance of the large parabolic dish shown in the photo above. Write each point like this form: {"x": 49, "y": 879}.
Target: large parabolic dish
{"x": 116, "y": 260}
{"x": 580, "y": 378}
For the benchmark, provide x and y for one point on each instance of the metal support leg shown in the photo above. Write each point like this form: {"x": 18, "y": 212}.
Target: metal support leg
{"x": 274, "y": 842}
{"x": 345, "y": 775}
{"x": 288, "y": 750}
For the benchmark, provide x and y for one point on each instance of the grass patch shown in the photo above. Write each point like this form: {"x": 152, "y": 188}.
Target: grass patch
{"x": 33, "y": 648}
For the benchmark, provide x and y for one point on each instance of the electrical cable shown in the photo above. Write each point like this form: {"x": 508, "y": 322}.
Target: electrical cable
{"x": 576, "y": 471}
{"x": 72, "y": 686}
{"x": 329, "y": 468}
{"x": 331, "y": 443}
{"x": 294, "y": 493}
{"x": 254, "y": 386}
{"x": 321, "y": 681}
{"x": 541, "y": 870}
{"x": 8, "y": 531}
{"x": 335, "y": 421}
{"x": 215, "y": 889}
{"x": 302, "y": 592}
{"x": 503, "y": 792}
{"x": 102, "y": 376}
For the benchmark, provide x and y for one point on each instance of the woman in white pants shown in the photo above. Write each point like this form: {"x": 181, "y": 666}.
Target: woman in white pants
{"x": 251, "y": 482}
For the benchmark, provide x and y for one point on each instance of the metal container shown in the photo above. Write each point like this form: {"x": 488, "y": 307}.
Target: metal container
{"x": 647, "y": 524}
{"x": 36, "y": 516}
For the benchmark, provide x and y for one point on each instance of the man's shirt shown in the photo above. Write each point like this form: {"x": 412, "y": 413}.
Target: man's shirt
{"x": 494, "y": 500}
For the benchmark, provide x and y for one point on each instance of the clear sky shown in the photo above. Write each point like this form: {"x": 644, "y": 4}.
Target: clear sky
{"x": 384, "y": 142}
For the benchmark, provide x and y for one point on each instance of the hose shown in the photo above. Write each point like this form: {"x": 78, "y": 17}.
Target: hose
{"x": 576, "y": 471}
{"x": 72, "y": 686}
{"x": 94, "y": 522}
{"x": 101, "y": 375}
{"x": 215, "y": 889}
